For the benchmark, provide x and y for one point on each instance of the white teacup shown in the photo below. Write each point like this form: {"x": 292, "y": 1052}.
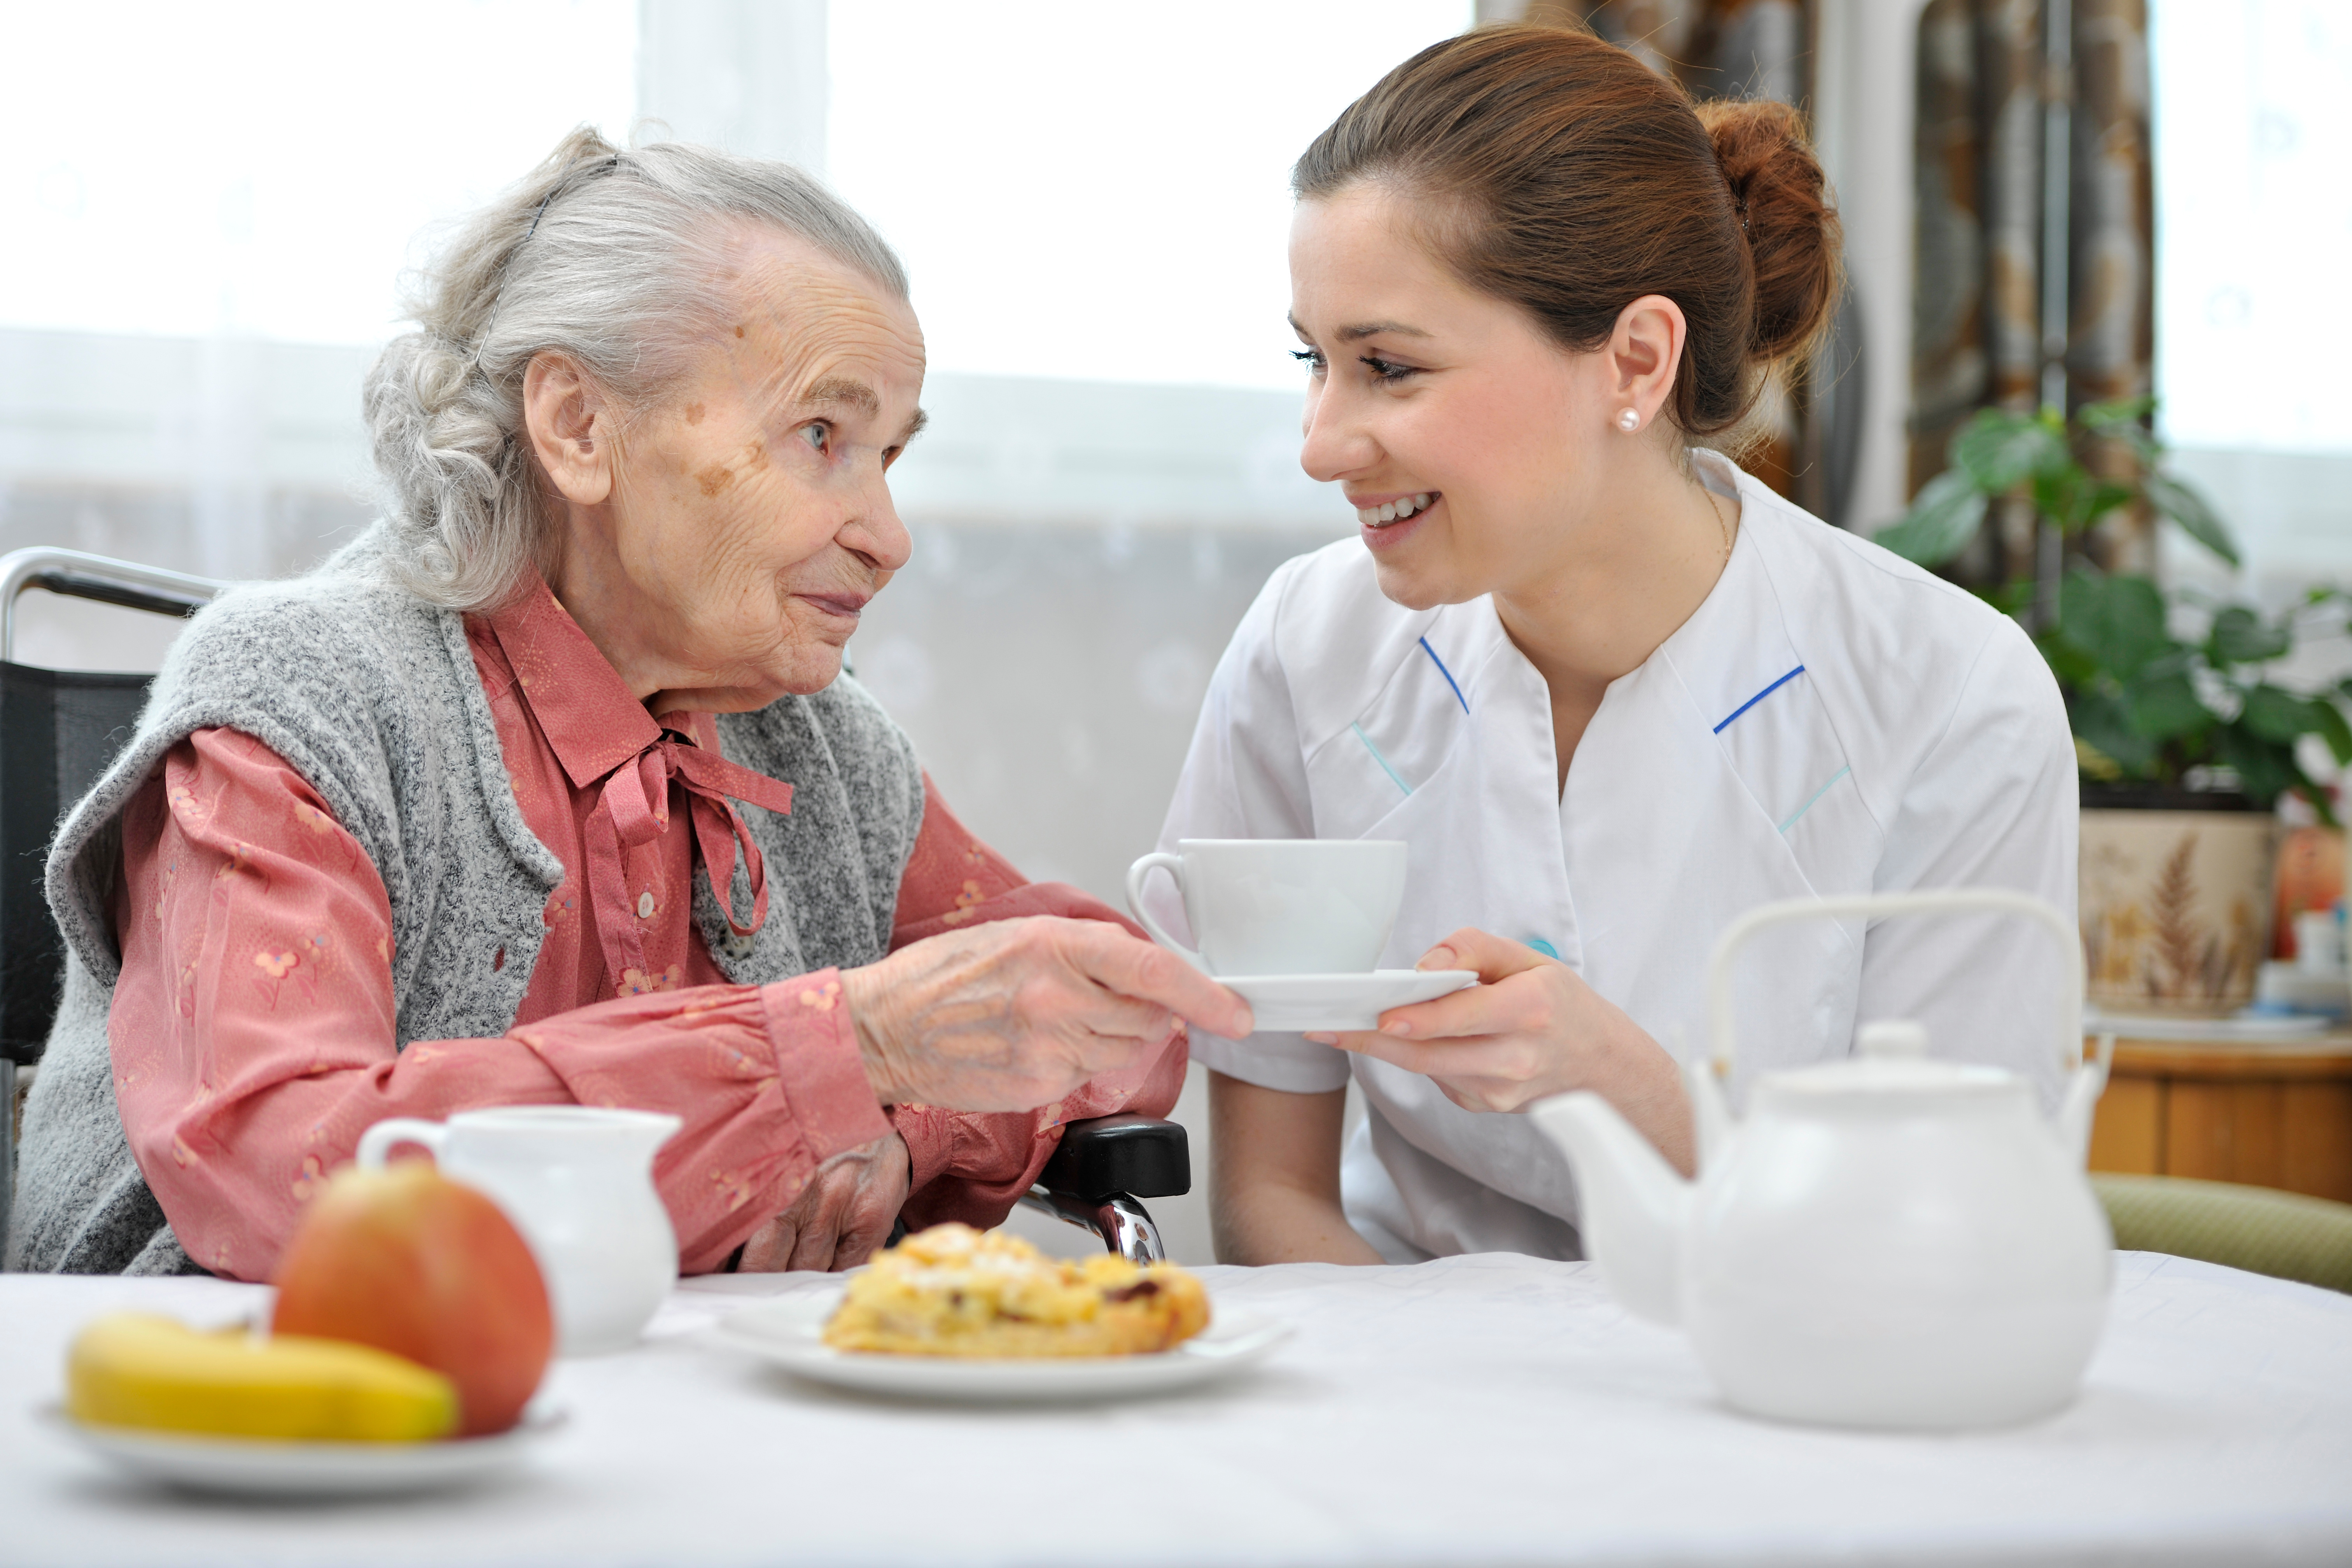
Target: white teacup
{"x": 578, "y": 1181}
{"x": 1280, "y": 906}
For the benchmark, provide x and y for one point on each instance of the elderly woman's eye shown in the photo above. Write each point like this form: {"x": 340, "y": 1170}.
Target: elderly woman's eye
{"x": 818, "y": 435}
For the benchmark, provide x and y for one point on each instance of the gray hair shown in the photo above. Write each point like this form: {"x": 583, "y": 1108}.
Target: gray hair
{"x": 609, "y": 256}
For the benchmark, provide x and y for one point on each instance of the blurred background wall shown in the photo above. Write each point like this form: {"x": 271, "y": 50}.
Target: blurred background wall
{"x": 204, "y": 240}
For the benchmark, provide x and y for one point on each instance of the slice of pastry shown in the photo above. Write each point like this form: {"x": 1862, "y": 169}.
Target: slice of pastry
{"x": 953, "y": 1291}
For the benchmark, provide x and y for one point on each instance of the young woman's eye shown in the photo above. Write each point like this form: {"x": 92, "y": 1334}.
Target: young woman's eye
{"x": 1311, "y": 358}
{"x": 818, "y": 435}
{"x": 1387, "y": 371}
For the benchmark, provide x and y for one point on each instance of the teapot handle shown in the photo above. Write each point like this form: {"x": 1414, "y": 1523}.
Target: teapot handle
{"x": 1937, "y": 901}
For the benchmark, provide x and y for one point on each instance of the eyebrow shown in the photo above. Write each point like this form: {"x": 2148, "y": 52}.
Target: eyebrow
{"x": 841, "y": 392}
{"x": 1358, "y": 332}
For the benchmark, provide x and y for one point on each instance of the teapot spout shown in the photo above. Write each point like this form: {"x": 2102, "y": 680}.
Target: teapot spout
{"x": 2080, "y": 1100}
{"x": 1633, "y": 1205}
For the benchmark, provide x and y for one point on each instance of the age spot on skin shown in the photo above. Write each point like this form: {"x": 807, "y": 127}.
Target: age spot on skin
{"x": 756, "y": 453}
{"x": 739, "y": 332}
{"x": 694, "y": 413}
{"x": 715, "y": 478}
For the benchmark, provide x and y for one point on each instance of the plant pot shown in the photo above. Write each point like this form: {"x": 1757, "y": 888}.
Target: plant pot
{"x": 2176, "y": 898}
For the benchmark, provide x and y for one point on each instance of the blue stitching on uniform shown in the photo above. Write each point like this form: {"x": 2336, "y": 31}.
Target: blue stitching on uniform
{"x": 1761, "y": 695}
{"x": 1817, "y": 794}
{"x": 1445, "y": 672}
{"x": 1367, "y": 739}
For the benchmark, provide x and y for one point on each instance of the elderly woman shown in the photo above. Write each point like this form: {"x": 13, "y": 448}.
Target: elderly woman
{"x": 549, "y": 788}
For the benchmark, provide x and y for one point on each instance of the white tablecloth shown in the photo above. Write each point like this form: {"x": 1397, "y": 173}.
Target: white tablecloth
{"x": 1491, "y": 1409}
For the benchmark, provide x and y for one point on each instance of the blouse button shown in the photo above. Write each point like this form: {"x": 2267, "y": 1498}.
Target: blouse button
{"x": 645, "y": 905}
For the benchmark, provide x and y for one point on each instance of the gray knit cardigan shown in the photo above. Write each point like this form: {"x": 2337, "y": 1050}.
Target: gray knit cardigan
{"x": 373, "y": 696}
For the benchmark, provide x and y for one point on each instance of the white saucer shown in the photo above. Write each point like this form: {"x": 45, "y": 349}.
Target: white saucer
{"x": 1288, "y": 1002}
{"x": 2241, "y": 1026}
{"x": 788, "y": 1332}
{"x": 257, "y": 1466}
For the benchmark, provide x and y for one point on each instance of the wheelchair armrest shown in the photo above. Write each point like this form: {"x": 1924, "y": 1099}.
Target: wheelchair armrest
{"x": 1139, "y": 1156}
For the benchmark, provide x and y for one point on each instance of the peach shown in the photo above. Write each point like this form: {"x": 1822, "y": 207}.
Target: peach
{"x": 411, "y": 1262}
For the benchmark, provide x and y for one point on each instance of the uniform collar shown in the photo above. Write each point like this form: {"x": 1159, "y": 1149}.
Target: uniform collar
{"x": 1730, "y": 649}
{"x": 1734, "y": 646}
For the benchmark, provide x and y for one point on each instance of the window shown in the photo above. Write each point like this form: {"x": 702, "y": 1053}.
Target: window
{"x": 1096, "y": 191}
{"x": 207, "y": 210}
{"x": 2253, "y": 112}
{"x": 263, "y": 168}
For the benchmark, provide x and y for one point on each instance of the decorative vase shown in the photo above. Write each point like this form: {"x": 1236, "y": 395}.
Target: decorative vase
{"x": 2176, "y": 898}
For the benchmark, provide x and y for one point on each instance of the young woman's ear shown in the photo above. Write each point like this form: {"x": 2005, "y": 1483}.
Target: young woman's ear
{"x": 1644, "y": 352}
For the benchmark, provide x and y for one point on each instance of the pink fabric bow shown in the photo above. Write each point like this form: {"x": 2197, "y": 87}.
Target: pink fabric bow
{"x": 634, "y": 809}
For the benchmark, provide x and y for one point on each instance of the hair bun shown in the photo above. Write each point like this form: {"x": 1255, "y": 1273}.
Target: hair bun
{"x": 1793, "y": 234}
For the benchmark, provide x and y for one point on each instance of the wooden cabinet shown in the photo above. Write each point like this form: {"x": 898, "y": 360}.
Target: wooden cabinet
{"x": 2269, "y": 1115}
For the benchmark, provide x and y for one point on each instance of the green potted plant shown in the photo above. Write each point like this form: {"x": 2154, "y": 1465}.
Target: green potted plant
{"x": 2186, "y": 741}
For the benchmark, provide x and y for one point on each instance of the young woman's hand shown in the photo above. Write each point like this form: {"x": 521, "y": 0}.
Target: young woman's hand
{"x": 1531, "y": 1028}
{"x": 1013, "y": 1015}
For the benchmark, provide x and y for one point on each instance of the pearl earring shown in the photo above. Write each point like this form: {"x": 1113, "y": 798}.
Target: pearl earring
{"x": 1628, "y": 420}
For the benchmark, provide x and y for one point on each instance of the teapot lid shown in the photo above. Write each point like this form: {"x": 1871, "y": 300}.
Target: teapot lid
{"x": 1891, "y": 1058}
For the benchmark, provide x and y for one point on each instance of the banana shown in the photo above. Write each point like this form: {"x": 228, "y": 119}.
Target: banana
{"x": 133, "y": 1369}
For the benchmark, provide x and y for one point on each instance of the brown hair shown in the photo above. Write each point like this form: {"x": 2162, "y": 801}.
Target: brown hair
{"x": 1568, "y": 178}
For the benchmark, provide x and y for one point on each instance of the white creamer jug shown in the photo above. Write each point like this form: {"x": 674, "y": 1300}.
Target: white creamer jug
{"x": 578, "y": 1183}
{"x": 1884, "y": 1240}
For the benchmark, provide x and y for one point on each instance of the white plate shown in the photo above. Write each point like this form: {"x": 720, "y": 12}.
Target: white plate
{"x": 787, "y": 1333}
{"x": 259, "y": 1467}
{"x": 1287, "y": 1002}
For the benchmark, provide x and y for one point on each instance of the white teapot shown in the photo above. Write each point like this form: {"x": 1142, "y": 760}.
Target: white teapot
{"x": 1884, "y": 1241}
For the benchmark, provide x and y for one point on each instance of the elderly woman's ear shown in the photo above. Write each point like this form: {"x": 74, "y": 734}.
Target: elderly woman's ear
{"x": 573, "y": 422}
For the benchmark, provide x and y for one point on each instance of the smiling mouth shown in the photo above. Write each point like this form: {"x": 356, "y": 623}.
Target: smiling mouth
{"x": 846, "y": 605}
{"x": 1396, "y": 511}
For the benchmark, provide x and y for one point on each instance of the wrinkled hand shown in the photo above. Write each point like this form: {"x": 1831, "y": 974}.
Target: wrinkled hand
{"x": 1012, "y": 1014}
{"x": 843, "y": 1214}
{"x": 1531, "y": 1028}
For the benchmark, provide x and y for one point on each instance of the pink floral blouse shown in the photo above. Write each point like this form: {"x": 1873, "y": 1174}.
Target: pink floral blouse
{"x": 252, "y": 1028}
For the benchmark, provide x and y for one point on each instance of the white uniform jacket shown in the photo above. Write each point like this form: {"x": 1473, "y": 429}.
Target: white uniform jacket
{"x": 1832, "y": 720}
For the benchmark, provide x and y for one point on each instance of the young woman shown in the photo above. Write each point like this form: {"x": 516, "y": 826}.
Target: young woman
{"x": 1610, "y": 690}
